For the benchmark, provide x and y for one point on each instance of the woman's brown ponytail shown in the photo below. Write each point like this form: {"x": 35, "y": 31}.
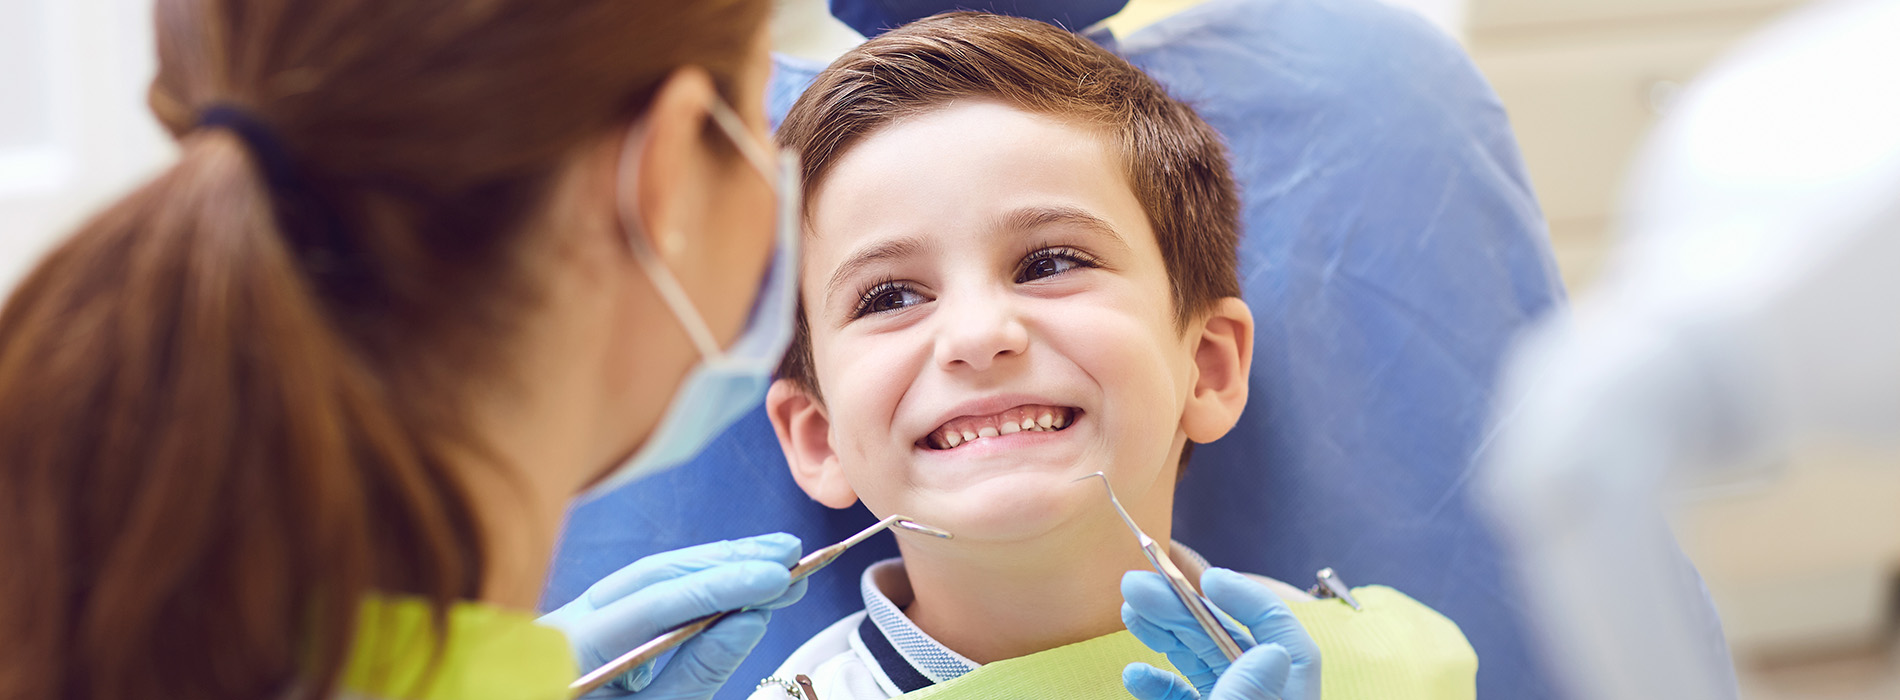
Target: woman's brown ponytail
{"x": 194, "y": 460}
{"x": 213, "y": 441}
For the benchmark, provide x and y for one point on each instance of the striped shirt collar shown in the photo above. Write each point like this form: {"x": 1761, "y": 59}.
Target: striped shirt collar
{"x": 905, "y": 658}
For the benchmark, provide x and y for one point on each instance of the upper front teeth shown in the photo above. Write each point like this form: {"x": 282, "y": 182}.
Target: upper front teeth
{"x": 1009, "y": 422}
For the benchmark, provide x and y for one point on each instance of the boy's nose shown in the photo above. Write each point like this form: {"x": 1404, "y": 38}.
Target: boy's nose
{"x": 977, "y": 332}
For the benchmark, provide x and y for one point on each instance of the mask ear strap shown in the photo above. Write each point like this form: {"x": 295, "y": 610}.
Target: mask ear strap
{"x": 735, "y": 129}
{"x": 669, "y": 287}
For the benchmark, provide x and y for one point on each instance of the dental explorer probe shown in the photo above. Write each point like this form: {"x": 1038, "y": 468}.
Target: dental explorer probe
{"x": 806, "y": 566}
{"x": 1198, "y": 605}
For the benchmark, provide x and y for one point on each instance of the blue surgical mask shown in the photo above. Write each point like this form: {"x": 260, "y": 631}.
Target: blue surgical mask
{"x": 725, "y": 384}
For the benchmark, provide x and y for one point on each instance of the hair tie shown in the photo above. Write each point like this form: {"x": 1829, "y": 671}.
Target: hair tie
{"x": 258, "y": 137}
{"x": 307, "y": 222}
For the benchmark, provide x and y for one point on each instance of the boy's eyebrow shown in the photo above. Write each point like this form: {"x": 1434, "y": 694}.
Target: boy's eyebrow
{"x": 1031, "y": 218}
{"x": 883, "y": 250}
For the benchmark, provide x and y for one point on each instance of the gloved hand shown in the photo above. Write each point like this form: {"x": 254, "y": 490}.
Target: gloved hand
{"x": 1283, "y": 666}
{"x": 663, "y": 591}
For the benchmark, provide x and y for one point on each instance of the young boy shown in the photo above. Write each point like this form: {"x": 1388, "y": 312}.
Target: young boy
{"x": 1020, "y": 270}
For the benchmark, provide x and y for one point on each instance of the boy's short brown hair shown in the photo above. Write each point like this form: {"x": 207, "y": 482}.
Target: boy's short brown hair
{"x": 1176, "y": 164}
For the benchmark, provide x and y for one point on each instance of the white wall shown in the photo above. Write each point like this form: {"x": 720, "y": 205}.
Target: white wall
{"x": 74, "y": 128}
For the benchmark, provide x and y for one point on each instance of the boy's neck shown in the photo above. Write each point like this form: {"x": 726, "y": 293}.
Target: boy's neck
{"x": 1001, "y": 601}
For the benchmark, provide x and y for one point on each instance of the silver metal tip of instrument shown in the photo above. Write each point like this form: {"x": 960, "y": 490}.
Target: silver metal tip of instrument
{"x": 915, "y": 526}
{"x": 1090, "y": 476}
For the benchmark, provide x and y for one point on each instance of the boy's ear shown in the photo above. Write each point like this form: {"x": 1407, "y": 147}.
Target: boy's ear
{"x": 1223, "y": 357}
{"x": 804, "y": 433}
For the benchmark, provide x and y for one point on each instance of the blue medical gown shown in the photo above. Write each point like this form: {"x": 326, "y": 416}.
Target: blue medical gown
{"x": 1392, "y": 248}
{"x": 873, "y": 17}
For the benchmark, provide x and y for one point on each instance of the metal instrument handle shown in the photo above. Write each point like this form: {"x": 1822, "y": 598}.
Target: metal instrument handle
{"x": 806, "y": 566}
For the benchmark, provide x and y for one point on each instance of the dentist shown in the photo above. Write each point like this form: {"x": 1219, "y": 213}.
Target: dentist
{"x": 301, "y": 416}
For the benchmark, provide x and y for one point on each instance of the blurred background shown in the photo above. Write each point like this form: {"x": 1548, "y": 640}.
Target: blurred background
{"x": 1802, "y": 564}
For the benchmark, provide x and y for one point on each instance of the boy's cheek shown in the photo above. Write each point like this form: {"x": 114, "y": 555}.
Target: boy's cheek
{"x": 877, "y": 486}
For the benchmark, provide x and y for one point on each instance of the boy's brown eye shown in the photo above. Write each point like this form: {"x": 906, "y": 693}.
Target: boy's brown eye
{"x": 889, "y": 296}
{"x": 1042, "y": 268}
{"x": 891, "y": 300}
{"x": 1050, "y": 262}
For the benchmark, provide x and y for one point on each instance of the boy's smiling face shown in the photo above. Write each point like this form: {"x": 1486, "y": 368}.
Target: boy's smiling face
{"x": 973, "y": 268}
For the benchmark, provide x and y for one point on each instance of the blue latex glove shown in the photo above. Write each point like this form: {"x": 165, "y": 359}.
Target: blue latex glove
{"x": 1284, "y": 664}
{"x": 660, "y": 592}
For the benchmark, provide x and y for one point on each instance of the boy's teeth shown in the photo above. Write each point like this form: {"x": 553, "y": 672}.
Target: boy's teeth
{"x": 1008, "y": 423}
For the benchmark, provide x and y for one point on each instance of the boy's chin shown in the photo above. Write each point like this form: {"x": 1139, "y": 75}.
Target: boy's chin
{"x": 1006, "y": 507}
